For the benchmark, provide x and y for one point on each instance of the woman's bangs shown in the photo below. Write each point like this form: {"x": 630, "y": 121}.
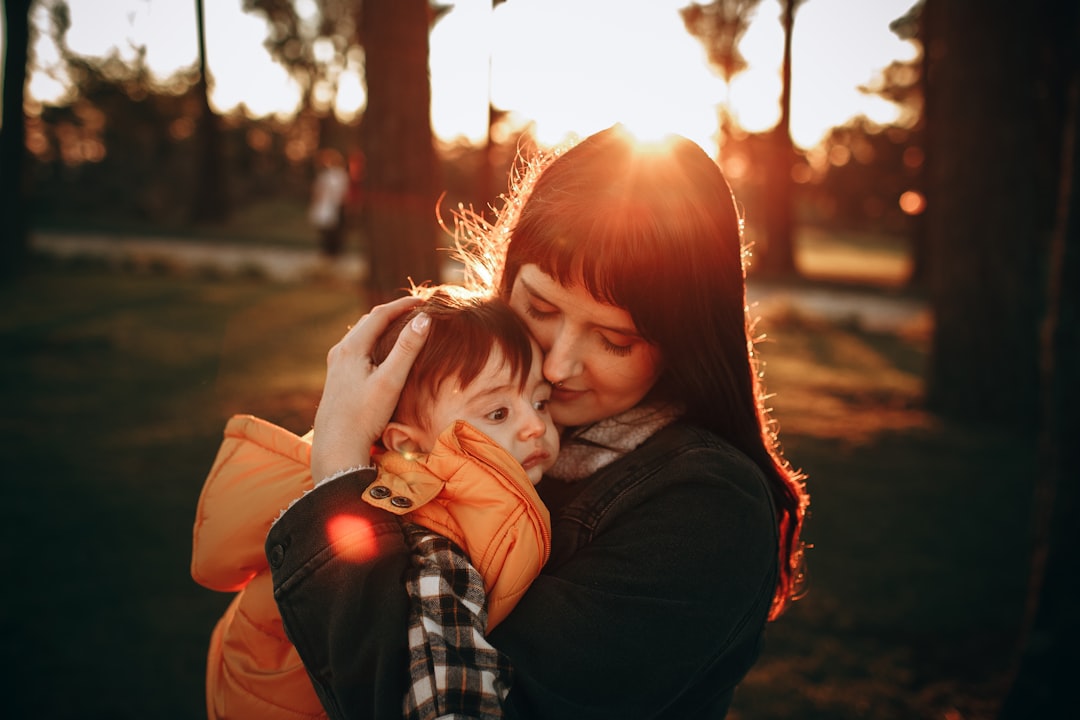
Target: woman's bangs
{"x": 601, "y": 251}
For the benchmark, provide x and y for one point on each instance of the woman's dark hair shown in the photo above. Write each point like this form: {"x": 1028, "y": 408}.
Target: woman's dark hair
{"x": 465, "y": 327}
{"x": 654, "y": 230}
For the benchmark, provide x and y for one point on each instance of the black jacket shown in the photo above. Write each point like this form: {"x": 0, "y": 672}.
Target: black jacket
{"x": 652, "y": 605}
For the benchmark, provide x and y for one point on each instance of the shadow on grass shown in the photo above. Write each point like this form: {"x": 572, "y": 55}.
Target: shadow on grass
{"x": 920, "y": 539}
{"x": 117, "y": 387}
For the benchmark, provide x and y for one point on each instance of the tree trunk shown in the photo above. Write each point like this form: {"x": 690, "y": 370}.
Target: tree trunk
{"x": 1043, "y": 684}
{"x": 983, "y": 222}
{"x": 920, "y": 250}
{"x": 13, "y": 227}
{"x": 778, "y": 256}
{"x": 920, "y": 246}
{"x": 210, "y": 203}
{"x": 1002, "y": 223}
{"x": 399, "y": 222}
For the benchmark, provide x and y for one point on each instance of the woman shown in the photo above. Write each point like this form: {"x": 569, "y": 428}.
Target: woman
{"x": 675, "y": 520}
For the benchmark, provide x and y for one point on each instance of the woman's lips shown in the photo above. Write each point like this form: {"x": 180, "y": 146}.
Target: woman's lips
{"x": 559, "y": 394}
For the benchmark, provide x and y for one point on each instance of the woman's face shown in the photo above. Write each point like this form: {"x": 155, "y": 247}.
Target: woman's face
{"x": 594, "y": 356}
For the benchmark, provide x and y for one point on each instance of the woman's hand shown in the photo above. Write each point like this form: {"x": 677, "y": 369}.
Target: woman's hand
{"x": 359, "y": 397}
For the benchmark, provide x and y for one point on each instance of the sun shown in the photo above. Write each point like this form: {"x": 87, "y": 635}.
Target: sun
{"x": 608, "y": 66}
{"x": 571, "y": 68}
{"x": 648, "y": 138}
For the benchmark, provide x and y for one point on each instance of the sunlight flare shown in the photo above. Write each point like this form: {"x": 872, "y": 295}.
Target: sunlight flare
{"x": 351, "y": 537}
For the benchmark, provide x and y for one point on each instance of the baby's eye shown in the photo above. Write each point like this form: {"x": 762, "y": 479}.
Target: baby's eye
{"x": 540, "y": 406}
{"x": 498, "y": 415}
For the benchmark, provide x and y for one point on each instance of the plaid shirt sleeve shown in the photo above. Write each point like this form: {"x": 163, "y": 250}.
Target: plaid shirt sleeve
{"x": 454, "y": 672}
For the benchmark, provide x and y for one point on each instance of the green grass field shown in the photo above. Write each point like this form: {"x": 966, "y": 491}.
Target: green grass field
{"x": 116, "y": 387}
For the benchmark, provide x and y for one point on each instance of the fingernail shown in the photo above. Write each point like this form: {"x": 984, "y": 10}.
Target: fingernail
{"x": 420, "y": 323}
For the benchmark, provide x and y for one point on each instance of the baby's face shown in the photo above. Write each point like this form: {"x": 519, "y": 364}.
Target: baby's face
{"x": 517, "y": 420}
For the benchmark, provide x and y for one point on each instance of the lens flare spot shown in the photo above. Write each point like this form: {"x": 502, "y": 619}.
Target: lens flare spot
{"x": 351, "y": 537}
{"x": 913, "y": 202}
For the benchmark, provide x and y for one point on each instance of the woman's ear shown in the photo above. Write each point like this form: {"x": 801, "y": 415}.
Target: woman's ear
{"x": 402, "y": 438}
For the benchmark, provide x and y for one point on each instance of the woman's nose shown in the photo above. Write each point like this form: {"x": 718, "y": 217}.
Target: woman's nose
{"x": 563, "y": 358}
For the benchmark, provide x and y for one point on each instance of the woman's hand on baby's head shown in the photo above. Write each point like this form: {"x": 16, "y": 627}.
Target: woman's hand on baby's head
{"x": 359, "y": 396}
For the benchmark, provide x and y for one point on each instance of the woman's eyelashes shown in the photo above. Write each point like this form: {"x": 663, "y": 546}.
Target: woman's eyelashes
{"x": 538, "y": 314}
{"x": 614, "y": 348}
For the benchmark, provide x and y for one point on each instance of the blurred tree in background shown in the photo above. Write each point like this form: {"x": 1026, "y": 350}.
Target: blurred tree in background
{"x": 863, "y": 178}
{"x": 316, "y": 51}
{"x": 1002, "y": 91}
{"x": 856, "y": 179}
{"x": 121, "y": 150}
{"x": 1045, "y": 677}
{"x": 719, "y": 25}
{"x": 995, "y": 113}
{"x": 777, "y": 256}
{"x": 13, "y": 229}
{"x": 401, "y": 185}
{"x": 211, "y": 203}
{"x": 904, "y": 84}
{"x": 396, "y": 147}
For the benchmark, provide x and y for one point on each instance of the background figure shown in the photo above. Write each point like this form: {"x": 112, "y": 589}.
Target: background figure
{"x": 328, "y": 195}
{"x": 357, "y": 168}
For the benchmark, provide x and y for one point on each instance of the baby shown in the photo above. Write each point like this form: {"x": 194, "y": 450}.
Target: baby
{"x": 469, "y": 439}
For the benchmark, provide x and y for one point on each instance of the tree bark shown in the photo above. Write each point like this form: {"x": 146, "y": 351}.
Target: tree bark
{"x": 14, "y": 238}
{"x": 920, "y": 245}
{"x": 778, "y": 256}
{"x": 1044, "y": 680}
{"x": 211, "y": 203}
{"x": 399, "y": 222}
{"x": 1002, "y": 113}
{"x": 983, "y": 221}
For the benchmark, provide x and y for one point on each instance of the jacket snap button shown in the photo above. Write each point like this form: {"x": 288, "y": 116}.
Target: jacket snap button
{"x": 379, "y": 492}
{"x": 401, "y": 502}
{"x": 277, "y": 556}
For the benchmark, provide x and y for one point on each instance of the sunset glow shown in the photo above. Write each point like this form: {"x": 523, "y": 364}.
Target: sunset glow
{"x": 567, "y": 66}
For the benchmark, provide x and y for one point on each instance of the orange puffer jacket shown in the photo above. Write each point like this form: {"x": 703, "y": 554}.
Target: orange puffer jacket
{"x": 468, "y": 489}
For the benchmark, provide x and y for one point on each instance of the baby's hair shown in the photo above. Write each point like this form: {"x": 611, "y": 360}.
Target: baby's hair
{"x": 465, "y": 327}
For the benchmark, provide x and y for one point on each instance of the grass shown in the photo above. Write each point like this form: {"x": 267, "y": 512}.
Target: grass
{"x": 920, "y": 534}
{"x": 827, "y": 254}
{"x": 277, "y": 222}
{"x": 116, "y": 387}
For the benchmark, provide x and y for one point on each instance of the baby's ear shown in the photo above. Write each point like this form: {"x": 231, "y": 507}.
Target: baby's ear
{"x": 402, "y": 438}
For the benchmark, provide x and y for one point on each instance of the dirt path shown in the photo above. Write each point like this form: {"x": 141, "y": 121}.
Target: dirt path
{"x": 875, "y": 311}
{"x": 275, "y": 263}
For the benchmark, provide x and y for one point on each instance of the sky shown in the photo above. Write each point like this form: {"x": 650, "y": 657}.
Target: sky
{"x": 571, "y": 66}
